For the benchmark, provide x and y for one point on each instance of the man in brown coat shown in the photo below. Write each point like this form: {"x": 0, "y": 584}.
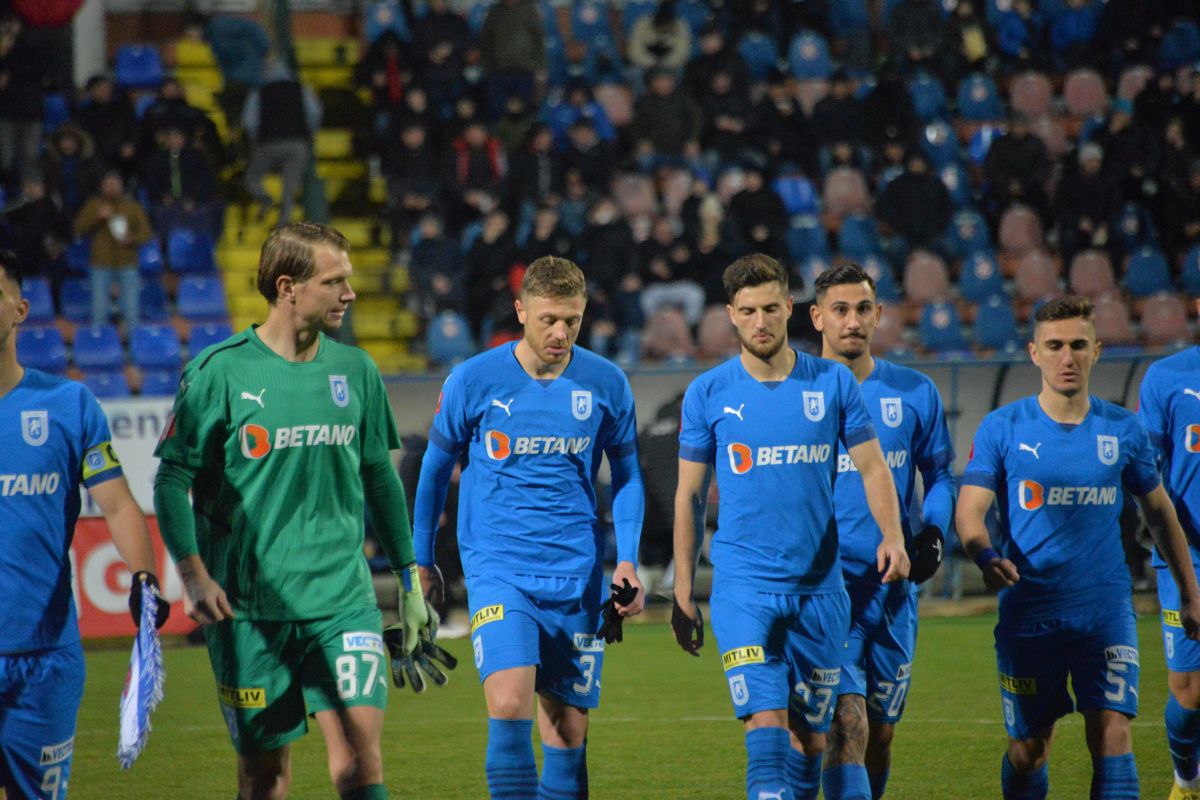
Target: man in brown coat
{"x": 117, "y": 226}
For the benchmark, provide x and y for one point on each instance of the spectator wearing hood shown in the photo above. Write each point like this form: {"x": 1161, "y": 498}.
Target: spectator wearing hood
{"x": 513, "y": 52}
{"x": 181, "y": 186}
{"x": 715, "y": 56}
{"x": 441, "y": 44}
{"x": 1016, "y": 169}
{"x": 1087, "y": 203}
{"x": 108, "y": 117}
{"x": 915, "y": 31}
{"x": 70, "y": 169}
{"x": 666, "y": 122}
{"x": 914, "y": 206}
{"x": 280, "y": 119}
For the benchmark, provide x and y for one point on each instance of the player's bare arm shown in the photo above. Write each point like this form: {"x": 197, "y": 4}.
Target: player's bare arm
{"x": 690, "y": 502}
{"x": 1171, "y": 542}
{"x": 126, "y": 523}
{"x": 892, "y": 558}
{"x": 973, "y": 504}
{"x": 203, "y": 599}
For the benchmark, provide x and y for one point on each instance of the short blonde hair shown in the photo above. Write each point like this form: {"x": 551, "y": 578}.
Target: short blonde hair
{"x": 553, "y": 276}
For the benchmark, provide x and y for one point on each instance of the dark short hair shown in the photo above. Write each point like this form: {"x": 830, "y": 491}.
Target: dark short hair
{"x": 553, "y": 276}
{"x": 754, "y": 269}
{"x": 11, "y": 267}
{"x": 840, "y": 275}
{"x": 289, "y": 251}
{"x": 1071, "y": 306}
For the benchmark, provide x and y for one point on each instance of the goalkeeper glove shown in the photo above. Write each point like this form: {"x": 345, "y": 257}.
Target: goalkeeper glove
{"x": 925, "y": 551}
{"x": 162, "y": 609}
{"x": 612, "y": 629}
{"x": 686, "y": 628}
{"x": 410, "y": 641}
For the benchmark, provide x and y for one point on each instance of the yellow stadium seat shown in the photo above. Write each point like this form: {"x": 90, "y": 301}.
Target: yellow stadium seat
{"x": 378, "y": 190}
{"x": 334, "y": 143}
{"x": 207, "y": 76}
{"x": 238, "y": 259}
{"x": 371, "y": 326}
{"x": 369, "y": 257}
{"x": 326, "y": 77}
{"x": 326, "y": 52}
{"x": 368, "y": 282}
{"x": 358, "y": 232}
{"x": 341, "y": 170}
{"x": 193, "y": 53}
{"x": 406, "y": 325}
{"x": 381, "y": 306}
{"x": 400, "y": 281}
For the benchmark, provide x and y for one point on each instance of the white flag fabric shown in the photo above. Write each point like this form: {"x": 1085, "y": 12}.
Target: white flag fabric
{"x": 143, "y": 683}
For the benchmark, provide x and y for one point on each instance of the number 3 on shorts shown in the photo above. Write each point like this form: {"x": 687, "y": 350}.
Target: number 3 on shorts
{"x": 357, "y": 674}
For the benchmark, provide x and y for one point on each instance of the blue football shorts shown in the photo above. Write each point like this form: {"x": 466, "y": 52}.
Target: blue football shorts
{"x": 1183, "y": 654}
{"x": 782, "y": 651}
{"x": 40, "y": 694}
{"x": 544, "y": 621}
{"x": 879, "y": 651}
{"x": 1097, "y": 649}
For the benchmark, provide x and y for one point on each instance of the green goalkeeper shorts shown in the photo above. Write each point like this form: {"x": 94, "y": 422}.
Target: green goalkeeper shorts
{"x": 271, "y": 675}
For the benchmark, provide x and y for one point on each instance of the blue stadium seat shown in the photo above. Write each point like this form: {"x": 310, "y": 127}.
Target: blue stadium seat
{"x": 202, "y": 336}
{"x": 940, "y": 330}
{"x": 138, "y": 67}
{"x": 42, "y": 348}
{"x": 1190, "y": 278}
{"x": 940, "y": 143}
{"x": 696, "y": 13}
{"x": 981, "y": 277}
{"x": 55, "y": 111}
{"x": 150, "y": 260}
{"x": 155, "y": 347}
{"x": 968, "y": 233}
{"x": 76, "y": 300}
{"x": 760, "y": 53}
{"x": 41, "y": 301}
{"x": 849, "y": 16}
{"x": 798, "y": 194}
{"x": 806, "y": 237}
{"x": 159, "y": 382}
{"x": 152, "y": 302}
{"x": 928, "y": 96}
{"x": 385, "y": 15}
{"x": 448, "y": 340}
{"x": 957, "y": 183}
{"x": 476, "y": 15}
{"x": 811, "y": 268}
{"x": 98, "y": 348}
{"x": 79, "y": 256}
{"x": 1180, "y": 45}
{"x": 1135, "y": 228}
{"x": 886, "y": 288}
{"x": 996, "y": 325}
{"x": 859, "y": 237}
{"x": 978, "y": 99}
{"x": 589, "y": 24}
{"x": 981, "y": 141}
{"x": 634, "y": 10}
{"x": 190, "y": 252}
{"x": 107, "y": 385}
{"x": 808, "y": 56}
{"x": 201, "y": 299}
{"x": 1147, "y": 273}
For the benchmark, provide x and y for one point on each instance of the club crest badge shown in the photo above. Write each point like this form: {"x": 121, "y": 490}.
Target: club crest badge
{"x": 340, "y": 390}
{"x": 35, "y": 427}
{"x": 814, "y": 406}
{"x": 581, "y": 404}
{"x": 893, "y": 411}
{"x": 1108, "y": 449}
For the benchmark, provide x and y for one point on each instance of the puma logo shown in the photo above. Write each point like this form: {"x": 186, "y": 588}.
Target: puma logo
{"x": 1033, "y": 450}
{"x": 737, "y": 412}
{"x": 771, "y": 795}
{"x": 497, "y": 404}
{"x": 255, "y": 397}
{"x": 1193, "y": 393}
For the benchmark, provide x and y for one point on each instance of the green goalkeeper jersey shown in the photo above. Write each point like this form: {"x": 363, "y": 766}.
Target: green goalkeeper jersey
{"x": 277, "y": 447}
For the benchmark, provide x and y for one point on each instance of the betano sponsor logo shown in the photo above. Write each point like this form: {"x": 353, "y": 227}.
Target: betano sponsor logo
{"x": 29, "y": 484}
{"x": 896, "y": 459}
{"x": 1018, "y": 685}
{"x": 1031, "y": 495}
{"x": 500, "y": 445}
{"x": 238, "y": 697}
{"x": 1191, "y": 438}
{"x": 740, "y": 656}
{"x": 742, "y": 457}
{"x": 485, "y": 615}
{"x": 256, "y": 441}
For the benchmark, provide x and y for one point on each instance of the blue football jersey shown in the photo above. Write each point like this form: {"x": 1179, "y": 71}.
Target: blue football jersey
{"x": 527, "y": 500}
{"x": 911, "y": 423}
{"x": 56, "y": 437}
{"x": 774, "y": 448}
{"x": 1059, "y": 492}
{"x": 1169, "y": 407}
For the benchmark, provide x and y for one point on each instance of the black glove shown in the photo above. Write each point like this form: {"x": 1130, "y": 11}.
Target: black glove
{"x": 925, "y": 551}
{"x": 612, "y": 630}
{"x": 162, "y": 609}
{"x": 689, "y": 632}
{"x": 410, "y": 667}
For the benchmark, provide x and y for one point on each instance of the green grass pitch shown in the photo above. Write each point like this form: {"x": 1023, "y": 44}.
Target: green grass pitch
{"x": 664, "y": 728}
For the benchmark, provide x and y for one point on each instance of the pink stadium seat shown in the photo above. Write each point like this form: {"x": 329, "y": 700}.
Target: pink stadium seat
{"x": 1036, "y": 277}
{"x": 666, "y": 335}
{"x": 926, "y": 279}
{"x": 1133, "y": 80}
{"x": 1031, "y": 93}
{"x": 845, "y": 193}
{"x": 1164, "y": 320}
{"x": 1091, "y": 274}
{"x": 617, "y": 101}
{"x": 1112, "y": 321}
{"x": 635, "y": 195}
{"x": 1084, "y": 93}
{"x": 889, "y": 334}
{"x": 715, "y": 336}
{"x": 1020, "y": 231}
{"x": 1052, "y": 134}
{"x": 810, "y": 92}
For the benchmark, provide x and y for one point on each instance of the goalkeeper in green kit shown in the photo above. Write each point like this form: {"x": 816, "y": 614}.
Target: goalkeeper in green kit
{"x": 282, "y": 434}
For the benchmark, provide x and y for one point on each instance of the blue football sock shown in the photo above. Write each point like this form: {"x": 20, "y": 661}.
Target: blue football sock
{"x": 1023, "y": 786}
{"x": 564, "y": 773}
{"x": 878, "y": 782}
{"x": 847, "y": 782}
{"x": 766, "y": 756}
{"x": 803, "y": 774}
{"x": 1183, "y": 737}
{"x": 1115, "y": 778}
{"x": 511, "y": 770}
